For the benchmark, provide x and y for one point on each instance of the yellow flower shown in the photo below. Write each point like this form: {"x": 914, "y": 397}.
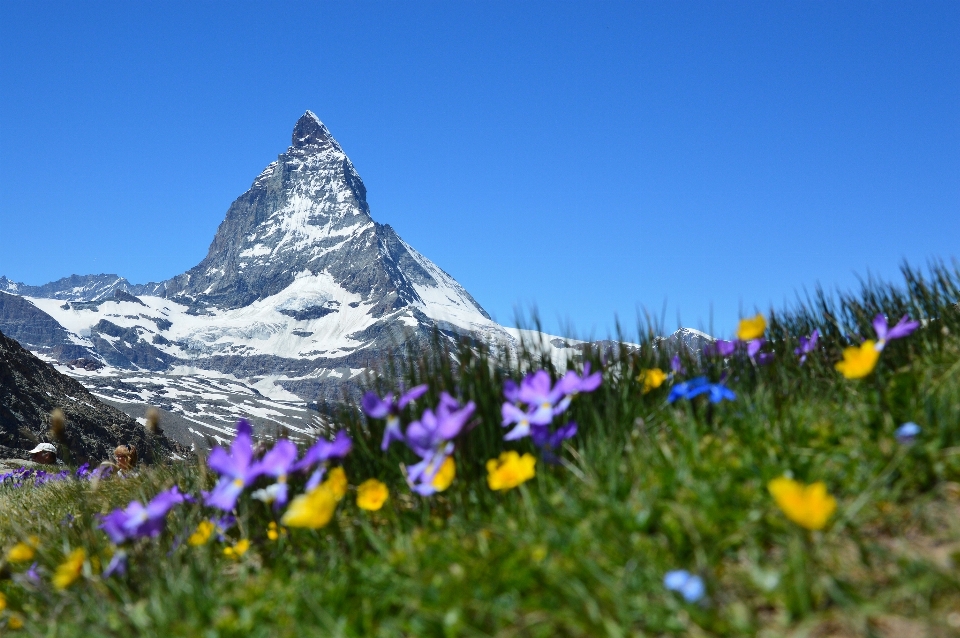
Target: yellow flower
{"x": 237, "y": 550}
{"x": 70, "y": 570}
{"x": 15, "y": 622}
{"x": 274, "y": 531}
{"x": 23, "y": 551}
{"x": 860, "y": 361}
{"x": 337, "y": 482}
{"x": 3, "y": 601}
{"x": 652, "y": 379}
{"x": 807, "y": 505}
{"x": 202, "y": 535}
{"x": 445, "y": 475}
{"x": 313, "y": 509}
{"x": 751, "y": 328}
{"x": 510, "y": 470}
{"x": 371, "y": 495}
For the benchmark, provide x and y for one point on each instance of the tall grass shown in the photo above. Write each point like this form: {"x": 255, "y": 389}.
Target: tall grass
{"x": 581, "y": 550}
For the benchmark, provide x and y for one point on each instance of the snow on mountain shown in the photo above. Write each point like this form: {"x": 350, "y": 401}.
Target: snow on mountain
{"x": 300, "y": 294}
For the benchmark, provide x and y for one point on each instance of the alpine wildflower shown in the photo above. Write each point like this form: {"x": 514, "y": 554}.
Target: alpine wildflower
{"x": 312, "y": 510}
{"x": 445, "y": 475}
{"x": 69, "y": 571}
{"x": 688, "y": 585}
{"x": 907, "y": 432}
{"x": 274, "y": 531}
{"x": 337, "y": 483}
{"x": 885, "y": 333}
{"x": 652, "y": 379}
{"x": 239, "y": 549}
{"x": 809, "y": 506}
{"x": 372, "y": 494}
{"x": 807, "y": 345}
{"x": 752, "y": 328}
{"x": 510, "y": 470}
{"x": 321, "y": 453}
{"x": 136, "y": 520}
{"x": 24, "y": 551}
{"x": 236, "y": 469}
{"x": 3, "y": 601}
{"x": 278, "y": 462}
{"x": 859, "y": 361}
{"x": 386, "y": 408}
{"x": 202, "y": 534}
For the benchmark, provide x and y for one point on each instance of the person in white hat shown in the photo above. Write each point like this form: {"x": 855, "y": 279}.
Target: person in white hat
{"x": 45, "y": 453}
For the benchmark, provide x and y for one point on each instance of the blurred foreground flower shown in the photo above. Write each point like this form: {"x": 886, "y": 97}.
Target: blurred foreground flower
{"x": 311, "y": 510}
{"x": 688, "y": 585}
{"x": 431, "y": 439}
{"x": 69, "y": 571}
{"x": 3, "y": 601}
{"x": 510, "y": 470}
{"x": 320, "y": 454}
{"x": 238, "y": 550}
{"x": 858, "y": 361}
{"x": 372, "y": 494}
{"x": 907, "y": 432}
{"x": 885, "y": 333}
{"x": 117, "y": 565}
{"x": 652, "y": 379}
{"x": 23, "y": 551}
{"x": 386, "y": 408}
{"x": 751, "y": 328}
{"x": 202, "y": 534}
{"x": 278, "y": 462}
{"x": 235, "y": 469}
{"x": 806, "y": 505}
{"x": 716, "y": 392}
{"x": 137, "y": 520}
{"x": 274, "y": 531}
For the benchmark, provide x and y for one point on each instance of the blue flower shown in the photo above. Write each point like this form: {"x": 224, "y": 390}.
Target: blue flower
{"x": 688, "y": 585}
{"x": 907, "y": 432}
{"x": 716, "y": 392}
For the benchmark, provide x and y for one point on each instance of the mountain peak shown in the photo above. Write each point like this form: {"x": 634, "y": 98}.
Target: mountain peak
{"x": 310, "y": 132}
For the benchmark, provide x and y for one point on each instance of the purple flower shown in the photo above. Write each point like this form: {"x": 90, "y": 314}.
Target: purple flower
{"x": 117, "y": 565}
{"x": 236, "y": 469}
{"x": 572, "y": 384}
{"x": 277, "y": 463}
{"x": 688, "y": 585}
{"x": 807, "y": 345}
{"x": 377, "y": 408}
{"x": 321, "y": 452}
{"x": 433, "y": 430}
{"x": 545, "y": 399}
{"x": 137, "y": 521}
{"x": 907, "y": 432}
{"x": 885, "y": 333}
{"x": 676, "y": 367}
{"x": 549, "y": 441}
{"x": 725, "y": 348}
{"x": 511, "y": 391}
{"x": 512, "y": 414}
{"x": 430, "y": 438}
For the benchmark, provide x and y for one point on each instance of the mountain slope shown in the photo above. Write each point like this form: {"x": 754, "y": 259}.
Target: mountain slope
{"x": 30, "y": 389}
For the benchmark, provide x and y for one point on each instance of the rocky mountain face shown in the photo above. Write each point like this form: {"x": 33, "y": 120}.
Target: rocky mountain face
{"x": 30, "y": 389}
{"x": 300, "y": 294}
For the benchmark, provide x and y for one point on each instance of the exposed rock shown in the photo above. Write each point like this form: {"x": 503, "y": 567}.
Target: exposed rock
{"x": 30, "y": 389}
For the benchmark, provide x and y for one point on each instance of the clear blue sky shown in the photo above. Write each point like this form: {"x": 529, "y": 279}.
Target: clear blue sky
{"x": 590, "y": 158}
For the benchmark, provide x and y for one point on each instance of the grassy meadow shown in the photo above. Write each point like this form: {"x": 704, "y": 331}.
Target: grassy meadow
{"x": 645, "y": 487}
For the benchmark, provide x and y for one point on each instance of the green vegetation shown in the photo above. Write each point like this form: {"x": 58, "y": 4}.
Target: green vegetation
{"x": 645, "y": 487}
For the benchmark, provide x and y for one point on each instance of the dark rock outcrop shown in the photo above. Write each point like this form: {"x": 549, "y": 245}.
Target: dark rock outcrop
{"x": 30, "y": 389}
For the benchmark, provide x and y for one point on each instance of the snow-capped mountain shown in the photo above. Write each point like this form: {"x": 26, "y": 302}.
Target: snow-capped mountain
{"x": 300, "y": 292}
